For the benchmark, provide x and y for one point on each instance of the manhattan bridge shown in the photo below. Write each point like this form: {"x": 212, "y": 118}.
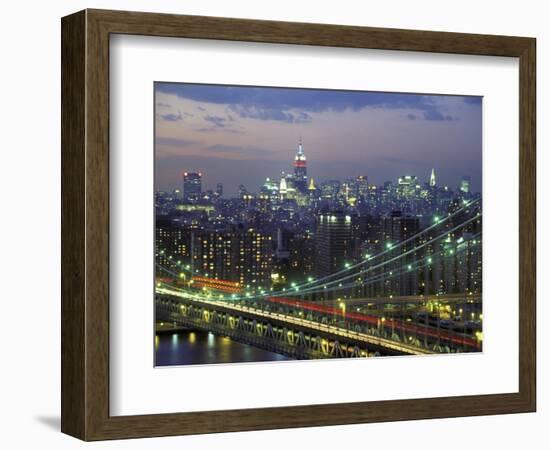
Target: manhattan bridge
{"x": 333, "y": 316}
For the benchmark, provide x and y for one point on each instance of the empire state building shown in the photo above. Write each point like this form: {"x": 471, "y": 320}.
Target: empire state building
{"x": 300, "y": 169}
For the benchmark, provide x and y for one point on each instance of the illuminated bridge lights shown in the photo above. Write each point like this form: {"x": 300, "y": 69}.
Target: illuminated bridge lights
{"x": 309, "y": 286}
{"x": 407, "y": 327}
{"x": 220, "y": 285}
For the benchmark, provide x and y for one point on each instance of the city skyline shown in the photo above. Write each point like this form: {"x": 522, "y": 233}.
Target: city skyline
{"x": 241, "y": 135}
{"x": 284, "y": 239}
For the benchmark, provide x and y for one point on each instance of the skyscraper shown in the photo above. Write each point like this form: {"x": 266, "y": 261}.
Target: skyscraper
{"x": 237, "y": 253}
{"x": 332, "y": 242}
{"x": 172, "y": 244}
{"x": 407, "y": 186}
{"x": 192, "y": 186}
{"x": 282, "y": 188}
{"x": 399, "y": 227}
{"x": 219, "y": 190}
{"x": 465, "y": 185}
{"x": 300, "y": 169}
{"x": 361, "y": 186}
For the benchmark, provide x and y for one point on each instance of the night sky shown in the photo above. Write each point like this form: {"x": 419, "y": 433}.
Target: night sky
{"x": 241, "y": 135}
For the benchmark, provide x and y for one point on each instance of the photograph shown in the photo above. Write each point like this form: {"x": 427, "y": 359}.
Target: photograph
{"x": 261, "y": 226}
{"x": 296, "y": 223}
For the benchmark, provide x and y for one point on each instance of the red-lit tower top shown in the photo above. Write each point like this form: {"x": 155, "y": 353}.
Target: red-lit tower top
{"x": 300, "y": 168}
{"x": 300, "y": 159}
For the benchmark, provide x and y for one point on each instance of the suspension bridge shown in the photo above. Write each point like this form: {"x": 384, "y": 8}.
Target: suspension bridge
{"x": 330, "y": 317}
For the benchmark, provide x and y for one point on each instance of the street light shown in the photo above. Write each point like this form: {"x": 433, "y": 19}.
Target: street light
{"x": 343, "y": 308}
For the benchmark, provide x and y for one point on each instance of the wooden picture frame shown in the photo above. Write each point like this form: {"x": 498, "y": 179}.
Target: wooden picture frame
{"x": 85, "y": 224}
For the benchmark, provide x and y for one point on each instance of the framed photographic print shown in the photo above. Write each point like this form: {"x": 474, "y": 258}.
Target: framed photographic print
{"x": 268, "y": 224}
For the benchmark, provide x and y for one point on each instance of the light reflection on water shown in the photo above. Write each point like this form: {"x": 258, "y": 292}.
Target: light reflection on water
{"x": 201, "y": 347}
{"x": 175, "y": 338}
{"x": 211, "y": 340}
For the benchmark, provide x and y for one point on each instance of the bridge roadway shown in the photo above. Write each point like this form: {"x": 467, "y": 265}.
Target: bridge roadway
{"x": 402, "y": 300}
{"x": 311, "y": 327}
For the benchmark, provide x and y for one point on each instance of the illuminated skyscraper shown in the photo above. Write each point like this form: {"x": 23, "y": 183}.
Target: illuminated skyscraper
{"x": 333, "y": 242}
{"x": 407, "y": 185}
{"x": 465, "y": 185}
{"x": 219, "y": 190}
{"x": 300, "y": 169}
{"x": 192, "y": 186}
{"x": 361, "y": 186}
{"x": 283, "y": 187}
{"x": 238, "y": 253}
{"x": 271, "y": 189}
{"x": 172, "y": 244}
{"x": 399, "y": 227}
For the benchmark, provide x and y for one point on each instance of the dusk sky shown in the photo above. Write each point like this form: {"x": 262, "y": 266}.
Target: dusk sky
{"x": 241, "y": 135}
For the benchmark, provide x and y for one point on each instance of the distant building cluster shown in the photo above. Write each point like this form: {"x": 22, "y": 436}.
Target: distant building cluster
{"x": 294, "y": 228}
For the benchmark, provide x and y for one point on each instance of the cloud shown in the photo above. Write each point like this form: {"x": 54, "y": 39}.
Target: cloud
{"x": 170, "y": 117}
{"x": 251, "y": 112}
{"x": 295, "y": 105}
{"x": 217, "y": 121}
{"x": 173, "y": 142}
{"x": 434, "y": 114}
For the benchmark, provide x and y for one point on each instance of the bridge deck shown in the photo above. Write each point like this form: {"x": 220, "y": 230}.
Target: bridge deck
{"x": 298, "y": 323}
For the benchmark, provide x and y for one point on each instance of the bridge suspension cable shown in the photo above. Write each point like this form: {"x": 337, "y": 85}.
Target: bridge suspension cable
{"x": 393, "y": 247}
{"x": 401, "y": 255}
{"x": 326, "y": 288}
{"x": 186, "y": 267}
{"x": 379, "y": 277}
{"x": 386, "y": 275}
{"x": 322, "y": 281}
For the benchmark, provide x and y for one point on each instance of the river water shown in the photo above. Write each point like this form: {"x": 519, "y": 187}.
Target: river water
{"x": 202, "y": 347}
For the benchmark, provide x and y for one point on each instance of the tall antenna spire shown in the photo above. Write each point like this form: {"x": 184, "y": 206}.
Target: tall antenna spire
{"x": 432, "y": 178}
{"x": 300, "y": 169}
